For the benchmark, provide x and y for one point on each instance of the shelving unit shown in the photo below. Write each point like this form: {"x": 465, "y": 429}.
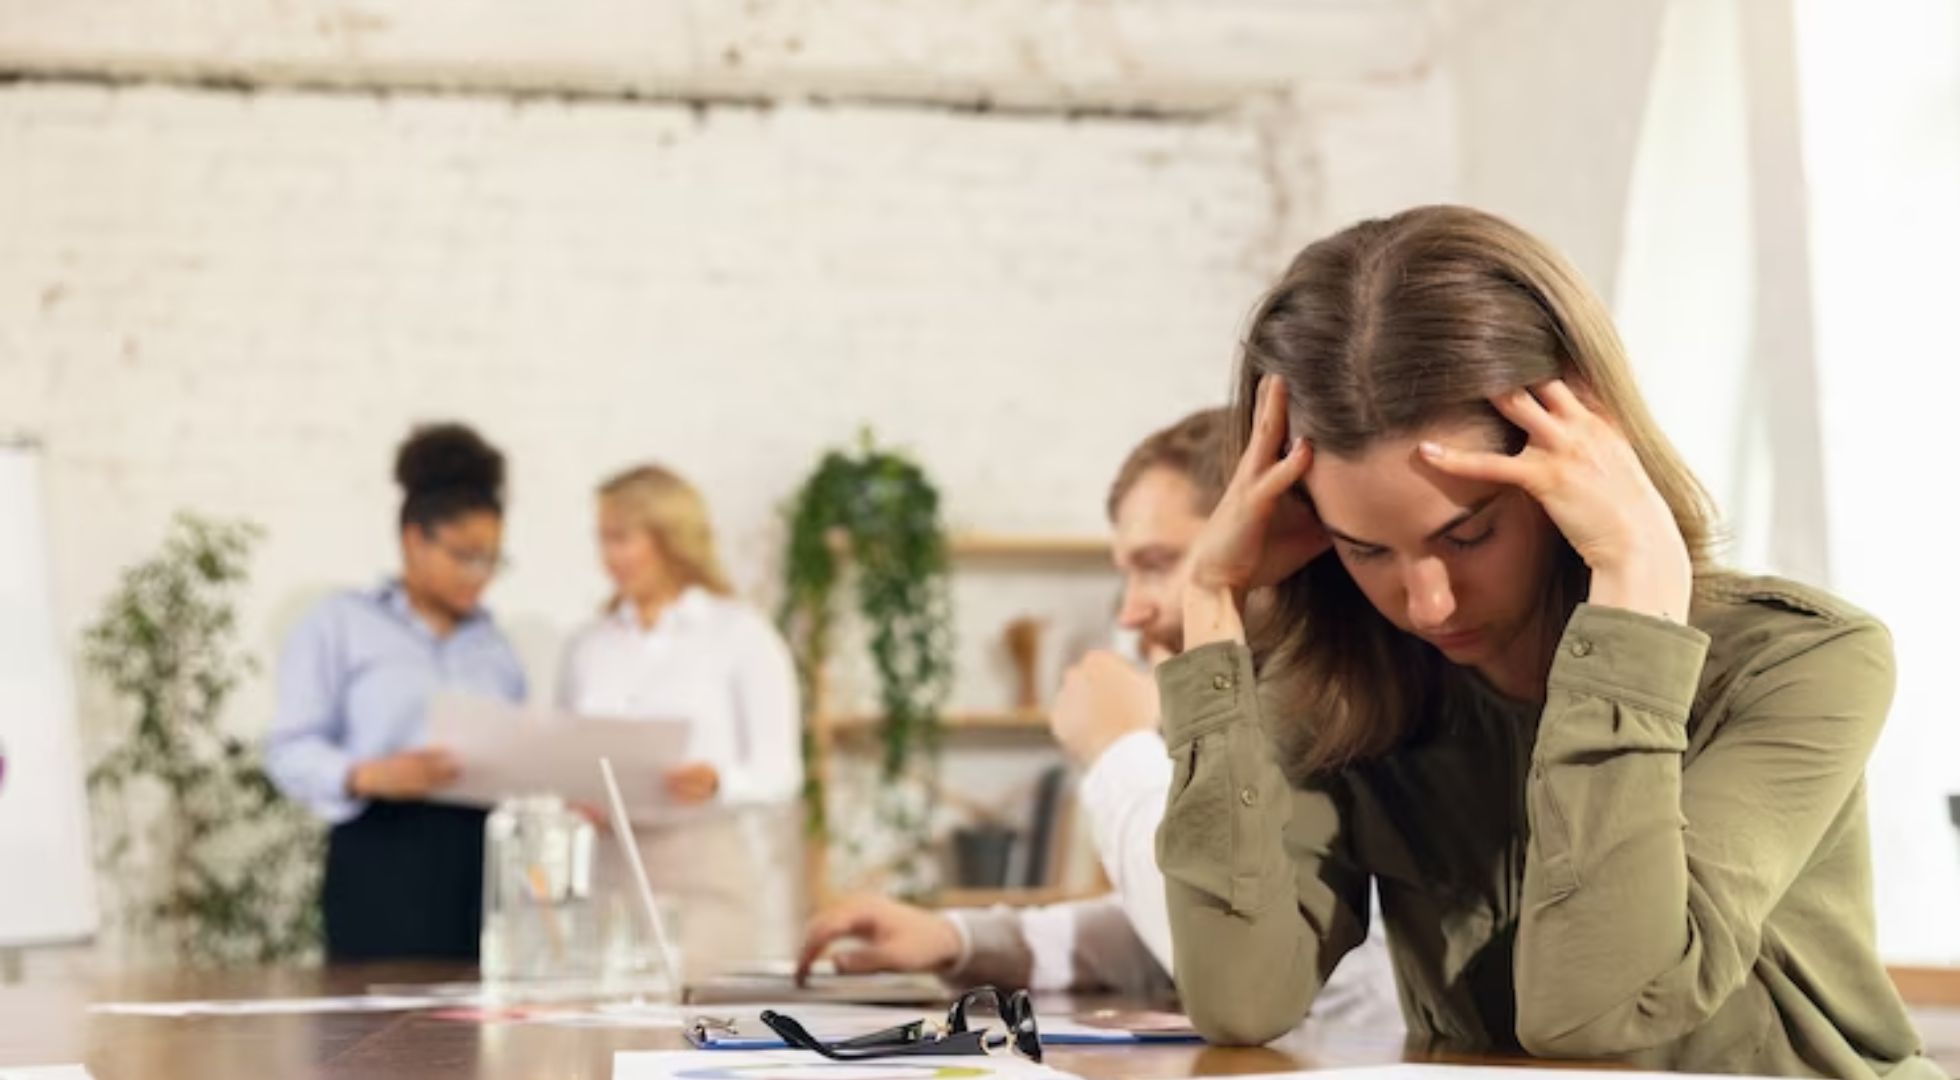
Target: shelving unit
{"x": 981, "y": 545}
{"x": 829, "y": 728}
{"x": 1019, "y": 721}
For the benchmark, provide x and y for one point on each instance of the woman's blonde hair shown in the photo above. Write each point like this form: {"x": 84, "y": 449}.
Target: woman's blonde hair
{"x": 1383, "y": 330}
{"x": 658, "y": 500}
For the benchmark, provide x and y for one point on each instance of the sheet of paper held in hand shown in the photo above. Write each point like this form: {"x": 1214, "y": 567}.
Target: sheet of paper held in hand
{"x": 505, "y": 750}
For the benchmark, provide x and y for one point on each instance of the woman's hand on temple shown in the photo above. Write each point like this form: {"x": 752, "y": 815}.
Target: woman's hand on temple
{"x": 1585, "y": 474}
{"x": 1261, "y": 532}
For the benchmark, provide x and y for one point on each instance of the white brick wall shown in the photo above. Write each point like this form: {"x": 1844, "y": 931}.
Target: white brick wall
{"x": 239, "y": 304}
{"x": 1175, "y": 55}
{"x": 237, "y": 301}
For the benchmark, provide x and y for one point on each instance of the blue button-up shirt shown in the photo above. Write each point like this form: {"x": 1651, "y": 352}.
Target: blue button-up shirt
{"x": 355, "y": 681}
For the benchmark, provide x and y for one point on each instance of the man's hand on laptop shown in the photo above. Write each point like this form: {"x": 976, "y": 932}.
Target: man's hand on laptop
{"x": 888, "y": 936}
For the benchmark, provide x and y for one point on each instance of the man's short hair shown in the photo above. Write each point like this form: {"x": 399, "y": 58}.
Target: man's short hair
{"x": 1193, "y": 447}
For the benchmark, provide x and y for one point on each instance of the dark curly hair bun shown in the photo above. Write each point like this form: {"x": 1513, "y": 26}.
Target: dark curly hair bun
{"x": 446, "y": 471}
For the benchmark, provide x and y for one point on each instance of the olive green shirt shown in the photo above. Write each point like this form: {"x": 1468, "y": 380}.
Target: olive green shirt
{"x": 1666, "y": 865}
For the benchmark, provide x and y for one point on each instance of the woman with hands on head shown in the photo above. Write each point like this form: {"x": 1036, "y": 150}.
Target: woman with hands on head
{"x": 1611, "y": 794}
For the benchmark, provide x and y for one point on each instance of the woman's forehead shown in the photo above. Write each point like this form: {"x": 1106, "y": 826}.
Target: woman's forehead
{"x": 1389, "y": 494}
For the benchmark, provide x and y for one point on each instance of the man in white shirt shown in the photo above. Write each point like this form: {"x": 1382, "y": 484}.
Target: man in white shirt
{"x": 1106, "y": 719}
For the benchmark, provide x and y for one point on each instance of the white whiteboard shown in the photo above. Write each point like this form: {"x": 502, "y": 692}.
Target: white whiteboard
{"x": 47, "y": 888}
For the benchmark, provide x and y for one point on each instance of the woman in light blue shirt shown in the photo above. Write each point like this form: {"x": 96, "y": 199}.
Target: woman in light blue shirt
{"x": 404, "y": 877}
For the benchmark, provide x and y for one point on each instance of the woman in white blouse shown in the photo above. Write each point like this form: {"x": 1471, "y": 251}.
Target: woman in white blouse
{"x": 674, "y": 644}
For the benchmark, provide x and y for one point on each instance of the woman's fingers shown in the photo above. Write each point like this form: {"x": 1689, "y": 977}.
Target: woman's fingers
{"x": 1289, "y": 471}
{"x": 867, "y": 960}
{"x": 442, "y": 767}
{"x": 1482, "y": 465}
{"x": 1268, "y": 427}
{"x": 1521, "y": 408}
{"x": 1560, "y": 400}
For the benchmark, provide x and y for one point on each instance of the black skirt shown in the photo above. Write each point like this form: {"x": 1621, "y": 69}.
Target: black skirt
{"x": 405, "y": 881}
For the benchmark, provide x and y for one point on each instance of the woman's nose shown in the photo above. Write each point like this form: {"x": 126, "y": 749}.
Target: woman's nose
{"x": 1431, "y": 603}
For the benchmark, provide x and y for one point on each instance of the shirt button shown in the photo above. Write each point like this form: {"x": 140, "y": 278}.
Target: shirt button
{"x": 1248, "y": 796}
{"x": 1582, "y": 648}
{"x": 1221, "y": 682}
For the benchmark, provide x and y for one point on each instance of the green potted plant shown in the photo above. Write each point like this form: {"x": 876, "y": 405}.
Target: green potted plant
{"x": 211, "y": 865}
{"x": 874, "y": 513}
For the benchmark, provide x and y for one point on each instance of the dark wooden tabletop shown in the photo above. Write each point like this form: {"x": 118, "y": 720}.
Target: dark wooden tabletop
{"x": 50, "y": 1024}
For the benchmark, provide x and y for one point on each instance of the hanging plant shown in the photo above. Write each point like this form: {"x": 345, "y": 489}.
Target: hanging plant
{"x": 877, "y": 510}
{"x": 232, "y": 869}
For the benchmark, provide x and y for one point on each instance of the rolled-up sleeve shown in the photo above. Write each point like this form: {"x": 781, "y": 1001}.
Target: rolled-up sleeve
{"x": 1646, "y": 883}
{"x": 1264, "y": 899}
{"x": 305, "y": 750}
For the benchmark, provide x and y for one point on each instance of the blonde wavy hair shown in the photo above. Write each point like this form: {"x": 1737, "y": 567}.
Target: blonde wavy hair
{"x": 1380, "y": 331}
{"x": 656, "y": 499}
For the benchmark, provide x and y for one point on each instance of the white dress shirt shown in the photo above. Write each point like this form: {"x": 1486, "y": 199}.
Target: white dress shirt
{"x": 713, "y": 662}
{"x": 1122, "y": 942}
{"x": 1123, "y": 794}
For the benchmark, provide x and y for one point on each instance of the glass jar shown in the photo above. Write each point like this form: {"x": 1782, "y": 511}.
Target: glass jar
{"x": 540, "y": 920}
{"x": 552, "y": 926}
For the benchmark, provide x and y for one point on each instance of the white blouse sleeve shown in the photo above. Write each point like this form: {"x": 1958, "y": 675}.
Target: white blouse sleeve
{"x": 1123, "y": 795}
{"x": 768, "y": 724}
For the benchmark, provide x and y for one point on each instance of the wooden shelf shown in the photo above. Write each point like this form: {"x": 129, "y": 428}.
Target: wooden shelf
{"x": 1016, "y": 897}
{"x": 1013, "y": 720}
{"x": 1027, "y": 546}
{"x": 846, "y": 733}
{"x": 1927, "y": 985}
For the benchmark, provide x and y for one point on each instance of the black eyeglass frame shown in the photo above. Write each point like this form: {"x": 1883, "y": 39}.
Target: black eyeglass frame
{"x": 920, "y": 1039}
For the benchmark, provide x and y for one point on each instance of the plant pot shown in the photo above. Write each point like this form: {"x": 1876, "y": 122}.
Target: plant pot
{"x": 981, "y": 854}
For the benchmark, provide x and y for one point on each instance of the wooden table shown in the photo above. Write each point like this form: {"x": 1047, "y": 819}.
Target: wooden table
{"x": 50, "y": 1024}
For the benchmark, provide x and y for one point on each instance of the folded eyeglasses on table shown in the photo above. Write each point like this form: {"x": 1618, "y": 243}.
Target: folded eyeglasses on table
{"x": 957, "y": 1035}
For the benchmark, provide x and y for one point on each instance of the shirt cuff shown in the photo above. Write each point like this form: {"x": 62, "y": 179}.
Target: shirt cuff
{"x": 965, "y": 932}
{"x": 1204, "y": 690}
{"x": 1050, "y": 936}
{"x": 1622, "y": 655}
{"x": 740, "y": 786}
{"x": 733, "y": 787}
{"x": 322, "y": 787}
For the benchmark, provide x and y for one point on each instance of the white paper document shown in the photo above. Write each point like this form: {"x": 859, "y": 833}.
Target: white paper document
{"x": 268, "y": 1006}
{"x": 44, "y": 1072}
{"x": 505, "y": 750}
{"x": 803, "y": 1065}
